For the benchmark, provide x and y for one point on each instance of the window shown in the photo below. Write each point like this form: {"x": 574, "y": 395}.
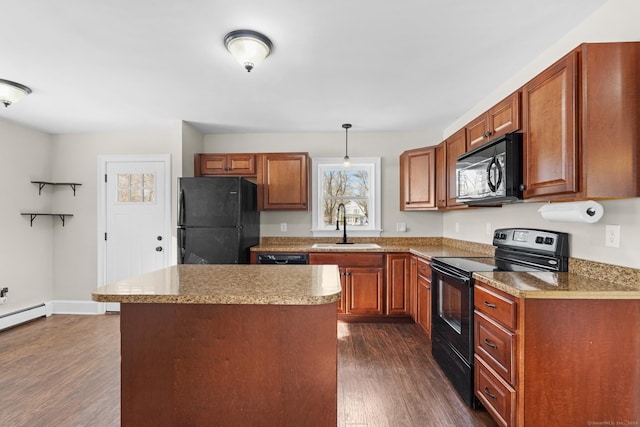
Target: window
{"x": 357, "y": 187}
{"x": 136, "y": 188}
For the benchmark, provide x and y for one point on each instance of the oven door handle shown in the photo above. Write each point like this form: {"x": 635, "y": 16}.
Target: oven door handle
{"x": 456, "y": 276}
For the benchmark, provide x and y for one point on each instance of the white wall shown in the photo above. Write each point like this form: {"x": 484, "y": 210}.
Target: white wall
{"x": 192, "y": 142}
{"x": 25, "y": 252}
{"x": 74, "y": 157}
{"x": 617, "y": 20}
{"x": 388, "y": 146}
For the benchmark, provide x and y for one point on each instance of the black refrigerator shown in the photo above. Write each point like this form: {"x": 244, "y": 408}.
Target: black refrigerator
{"x": 218, "y": 220}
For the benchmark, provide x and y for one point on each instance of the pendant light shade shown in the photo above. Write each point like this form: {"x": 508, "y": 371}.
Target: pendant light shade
{"x": 347, "y": 161}
{"x": 12, "y": 92}
{"x": 248, "y": 47}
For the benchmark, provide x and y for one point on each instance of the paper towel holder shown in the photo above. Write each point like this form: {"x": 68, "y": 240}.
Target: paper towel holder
{"x": 587, "y": 211}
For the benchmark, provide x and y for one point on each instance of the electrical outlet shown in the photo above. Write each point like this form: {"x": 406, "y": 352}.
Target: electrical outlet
{"x": 457, "y": 227}
{"x": 488, "y": 230}
{"x": 612, "y": 236}
{"x": 401, "y": 227}
{"x": 283, "y": 226}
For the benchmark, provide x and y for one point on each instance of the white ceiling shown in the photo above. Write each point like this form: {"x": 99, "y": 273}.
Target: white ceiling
{"x": 403, "y": 65}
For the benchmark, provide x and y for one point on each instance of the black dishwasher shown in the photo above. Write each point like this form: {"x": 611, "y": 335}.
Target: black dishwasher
{"x": 282, "y": 259}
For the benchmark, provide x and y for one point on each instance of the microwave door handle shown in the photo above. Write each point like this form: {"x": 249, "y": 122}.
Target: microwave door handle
{"x": 494, "y": 187}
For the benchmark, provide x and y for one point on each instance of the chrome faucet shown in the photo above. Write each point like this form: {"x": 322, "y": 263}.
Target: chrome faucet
{"x": 344, "y": 223}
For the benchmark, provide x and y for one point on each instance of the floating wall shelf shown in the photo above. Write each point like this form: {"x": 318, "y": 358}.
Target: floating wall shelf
{"x": 33, "y": 216}
{"x": 42, "y": 184}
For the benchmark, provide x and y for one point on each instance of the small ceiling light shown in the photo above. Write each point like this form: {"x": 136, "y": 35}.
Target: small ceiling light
{"x": 11, "y": 92}
{"x": 347, "y": 162}
{"x": 248, "y": 47}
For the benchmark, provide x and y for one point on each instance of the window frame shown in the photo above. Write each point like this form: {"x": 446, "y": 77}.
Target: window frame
{"x": 372, "y": 165}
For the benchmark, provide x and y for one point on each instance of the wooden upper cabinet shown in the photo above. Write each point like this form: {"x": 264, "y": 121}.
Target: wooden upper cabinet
{"x": 550, "y": 120}
{"x": 212, "y": 164}
{"x": 417, "y": 179}
{"x": 503, "y": 118}
{"x": 441, "y": 175}
{"x": 456, "y": 145}
{"x": 283, "y": 181}
{"x": 610, "y": 125}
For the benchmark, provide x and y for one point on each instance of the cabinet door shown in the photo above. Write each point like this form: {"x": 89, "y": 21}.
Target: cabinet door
{"x": 551, "y": 143}
{"x": 398, "y": 267}
{"x": 365, "y": 290}
{"x": 424, "y": 304}
{"x": 441, "y": 175}
{"x": 456, "y": 146}
{"x": 210, "y": 164}
{"x": 241, "y": 164}
{"x": 417, "y": 179}
{"x": 504, "y": 117}
{"x": 284, "y": 181}
{"x": 478, "y": 131}
{"x": 413, "y": 287}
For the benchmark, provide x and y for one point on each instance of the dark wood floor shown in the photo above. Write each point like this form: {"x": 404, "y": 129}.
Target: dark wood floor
{"x": 65, "y": 371}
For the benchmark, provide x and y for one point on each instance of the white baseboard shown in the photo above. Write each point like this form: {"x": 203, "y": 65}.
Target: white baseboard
{"x": 77, "y": 307}
{"x": 51, "y": 307}
{"x": 21, "y": 316}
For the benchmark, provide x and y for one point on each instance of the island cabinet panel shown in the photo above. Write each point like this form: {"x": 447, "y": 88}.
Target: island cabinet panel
{"x": 362, "y": 279}
{"x": 398, "y": 294}
{"x": 551, "y": 143}
{"x": 198, "y": 364}
{"x": 283, "y": 181}
{"x": 417, "y": 179}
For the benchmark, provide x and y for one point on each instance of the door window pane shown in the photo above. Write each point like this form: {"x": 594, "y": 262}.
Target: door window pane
{"x": 136, "y": 187}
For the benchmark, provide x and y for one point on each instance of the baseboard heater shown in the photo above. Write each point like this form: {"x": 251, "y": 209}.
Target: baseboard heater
{"x": 16, "y": 318}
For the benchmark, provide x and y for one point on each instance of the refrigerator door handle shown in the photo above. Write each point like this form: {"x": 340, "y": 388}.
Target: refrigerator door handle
{"x": 181, "y": 208}
{"x": 182, "y": 247}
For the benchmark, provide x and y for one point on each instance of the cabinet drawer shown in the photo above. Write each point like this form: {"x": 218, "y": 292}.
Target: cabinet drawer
{"x": 498, "y": 397}
{"x": 497, "y": 346}
{"x": 348, "y": 259}
{"x": 424, "y": 269}
{"x": 496, "y": 305}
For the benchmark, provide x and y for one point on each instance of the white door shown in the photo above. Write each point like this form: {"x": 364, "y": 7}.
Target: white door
{"x": 136, "y": 236}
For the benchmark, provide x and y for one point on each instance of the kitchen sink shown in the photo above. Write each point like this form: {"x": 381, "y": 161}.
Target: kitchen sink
{"x": 345, "y": 246}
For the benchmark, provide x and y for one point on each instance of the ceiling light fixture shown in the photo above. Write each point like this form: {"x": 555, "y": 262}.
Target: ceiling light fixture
{"x": 347, "y": 162}
{"x": 248, "y": 47}
{"x": 11, "y": 92}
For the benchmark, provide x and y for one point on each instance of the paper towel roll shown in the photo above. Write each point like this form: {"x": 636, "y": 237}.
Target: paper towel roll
{"x": 587, "y": 211}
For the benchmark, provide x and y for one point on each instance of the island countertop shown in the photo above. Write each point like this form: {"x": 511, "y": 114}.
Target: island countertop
{"x": 228, "y": 284}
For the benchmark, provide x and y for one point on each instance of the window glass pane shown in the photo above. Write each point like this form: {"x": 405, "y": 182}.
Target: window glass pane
{"x": 351, "y": 188}
{"x": 136, "y": 188}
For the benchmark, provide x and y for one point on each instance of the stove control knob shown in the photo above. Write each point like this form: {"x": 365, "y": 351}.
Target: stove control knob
{"x": 548, "y": 240}
{"x": 539, "y": 240}
{"x": 503, "y": 236}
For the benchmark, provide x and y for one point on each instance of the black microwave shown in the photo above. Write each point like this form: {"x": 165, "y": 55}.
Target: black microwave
{"x": 491, "y": 175}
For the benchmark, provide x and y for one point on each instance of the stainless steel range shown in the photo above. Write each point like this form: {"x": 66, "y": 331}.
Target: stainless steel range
{"x": 517, "y": 249}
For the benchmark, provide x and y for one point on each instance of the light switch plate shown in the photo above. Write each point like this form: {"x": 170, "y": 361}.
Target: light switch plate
{"x": 401, "y": 227}
{"x": 283, "y": 226}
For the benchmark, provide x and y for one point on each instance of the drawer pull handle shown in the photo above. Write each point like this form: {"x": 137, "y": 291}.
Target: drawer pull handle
{"x": 488, "y": 393}
{"x": 489, "y": 343}
{"x": 422, "y": 267}
{"x": 488, "y": 304}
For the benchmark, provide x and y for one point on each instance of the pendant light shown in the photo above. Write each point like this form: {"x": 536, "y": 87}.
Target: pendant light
{"x": 346, "y": 162}
{"x": 248, "y": 47}
{"x": 11, "y": 92}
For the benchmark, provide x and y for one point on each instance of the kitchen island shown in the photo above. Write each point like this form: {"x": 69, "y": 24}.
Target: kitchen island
{"x": 228, "y": 345}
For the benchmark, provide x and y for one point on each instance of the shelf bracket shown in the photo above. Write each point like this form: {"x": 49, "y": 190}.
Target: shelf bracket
{"x": 34, "y": 215}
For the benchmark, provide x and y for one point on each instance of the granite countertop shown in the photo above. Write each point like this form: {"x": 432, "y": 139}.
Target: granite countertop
{"x": 586, "y": 279}
{"x": 228, "y": 284}
{"x": 557, "y": 285}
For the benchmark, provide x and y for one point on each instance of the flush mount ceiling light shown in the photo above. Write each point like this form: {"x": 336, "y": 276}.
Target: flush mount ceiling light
{"x": 11, "y": 92}
{"x": 347, "y": 162}
{"x": 248, "y": 47}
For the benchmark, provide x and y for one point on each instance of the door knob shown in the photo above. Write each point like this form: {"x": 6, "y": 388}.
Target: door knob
{"x": 159, "y": 249}
{"x": 159, "y": 238}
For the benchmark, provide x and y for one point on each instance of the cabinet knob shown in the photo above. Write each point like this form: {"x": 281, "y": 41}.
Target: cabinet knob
{"x": 522, "y": 187}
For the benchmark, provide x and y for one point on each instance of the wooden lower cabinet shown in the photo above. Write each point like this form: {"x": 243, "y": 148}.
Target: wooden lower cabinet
{"x": 362, "y": 277}
{"x": 398, "y": 294}
{"x": 423, "y": 293}
{"x": 556, "y": 361}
